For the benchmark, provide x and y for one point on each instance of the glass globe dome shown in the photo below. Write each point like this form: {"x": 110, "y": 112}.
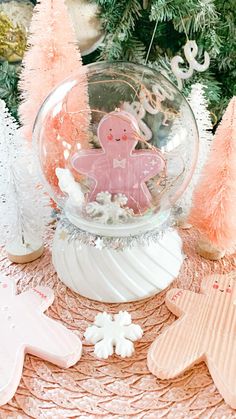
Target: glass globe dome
{"x": 117, "y": 146}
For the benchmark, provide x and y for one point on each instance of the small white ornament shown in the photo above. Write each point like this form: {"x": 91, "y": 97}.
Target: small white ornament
{"x": 87, "y": 24}
{"x": 110, "y": 335}
{"x": 190, "y": 52}
{"x": 109, "y": 210}
{"x": 68, "y": 184}
{"x": 99, "y": 243}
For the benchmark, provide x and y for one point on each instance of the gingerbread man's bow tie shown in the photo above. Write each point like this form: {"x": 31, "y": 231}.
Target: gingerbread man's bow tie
{"x": 119, "y": 163}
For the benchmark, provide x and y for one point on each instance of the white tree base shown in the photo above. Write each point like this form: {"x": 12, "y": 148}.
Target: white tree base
{"x": 117, "y": 276}
{"x": 19, "y": 252}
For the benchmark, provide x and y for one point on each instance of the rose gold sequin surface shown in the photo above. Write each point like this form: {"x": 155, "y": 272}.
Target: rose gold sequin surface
{"x": 116, "y": 387}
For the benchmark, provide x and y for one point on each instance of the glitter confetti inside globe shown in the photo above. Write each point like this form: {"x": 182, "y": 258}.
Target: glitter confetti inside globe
{"x": 117, "y": 147}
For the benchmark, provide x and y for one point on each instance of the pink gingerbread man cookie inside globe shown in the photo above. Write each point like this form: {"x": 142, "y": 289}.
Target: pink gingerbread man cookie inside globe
{"x": 117, "y": 167}
{"x": 205, "y": 331}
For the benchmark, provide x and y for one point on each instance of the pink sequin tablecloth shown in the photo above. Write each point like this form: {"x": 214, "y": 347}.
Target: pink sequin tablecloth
{"x": 116, "y": 387}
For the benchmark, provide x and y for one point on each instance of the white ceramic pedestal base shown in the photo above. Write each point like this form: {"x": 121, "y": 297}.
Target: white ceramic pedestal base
{"x": 117, "y": 276}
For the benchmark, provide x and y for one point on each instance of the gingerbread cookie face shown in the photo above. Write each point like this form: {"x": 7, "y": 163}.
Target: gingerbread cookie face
{"x": 117, "y": 132}
{"x": 25, "y": 329}
{"x": 205, "y": 331}
{"x": 117, "y": 167}
{"x": 220, "y": 286}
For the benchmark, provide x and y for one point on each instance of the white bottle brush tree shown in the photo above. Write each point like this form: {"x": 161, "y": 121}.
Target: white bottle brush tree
{"x": 24, "y": 205}
{"x": 198, "y": 103}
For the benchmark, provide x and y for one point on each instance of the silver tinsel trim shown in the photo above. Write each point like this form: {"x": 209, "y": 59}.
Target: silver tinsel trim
{"x": 115, "y": 243}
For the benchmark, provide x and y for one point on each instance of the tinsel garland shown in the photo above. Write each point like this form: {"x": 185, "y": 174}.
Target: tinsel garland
{"x": 115, "y": 243}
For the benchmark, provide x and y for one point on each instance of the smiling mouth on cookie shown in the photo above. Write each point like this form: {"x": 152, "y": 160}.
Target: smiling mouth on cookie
{"x": 117, "y": 139}
{"x": 227, "y": 289}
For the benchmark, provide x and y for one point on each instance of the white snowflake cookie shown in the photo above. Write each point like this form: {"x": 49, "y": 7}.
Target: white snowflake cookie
{"x": 111, "y": 336}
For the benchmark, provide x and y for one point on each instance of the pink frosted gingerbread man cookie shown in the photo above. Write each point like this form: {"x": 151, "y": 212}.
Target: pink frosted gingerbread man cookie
{"x": 117, "y": 167}
{"x": 205, "y": 331}
{"x": 25, "y": 329}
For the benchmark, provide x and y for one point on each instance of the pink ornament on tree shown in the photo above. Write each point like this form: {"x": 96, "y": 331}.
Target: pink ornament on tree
{"x": 118, "y": 167}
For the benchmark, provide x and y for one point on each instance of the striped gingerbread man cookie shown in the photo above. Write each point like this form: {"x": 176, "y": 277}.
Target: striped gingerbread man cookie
{"x": 205, "y": 331}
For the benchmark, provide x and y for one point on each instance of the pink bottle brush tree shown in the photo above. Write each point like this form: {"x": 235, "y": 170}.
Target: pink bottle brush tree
{"x": 214, "y": 201}
{"x": 52, "y": 56}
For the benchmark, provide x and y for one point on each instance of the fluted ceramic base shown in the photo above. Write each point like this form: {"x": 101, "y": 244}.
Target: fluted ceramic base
{"x": 117, "y": 276}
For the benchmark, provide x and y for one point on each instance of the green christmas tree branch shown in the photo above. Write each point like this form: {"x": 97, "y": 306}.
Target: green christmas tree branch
{"x": 9, "y": 76}
{"x": 129, "y": 28}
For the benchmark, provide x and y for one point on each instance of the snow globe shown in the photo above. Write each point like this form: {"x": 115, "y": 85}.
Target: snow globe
{"x": 117, "y": 145}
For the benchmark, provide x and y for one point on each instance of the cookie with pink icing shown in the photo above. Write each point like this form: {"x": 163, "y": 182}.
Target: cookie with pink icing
{"x": 25, "y": 329}
{"x": 205, "y": 331}
{"x": 117, "y": 167}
